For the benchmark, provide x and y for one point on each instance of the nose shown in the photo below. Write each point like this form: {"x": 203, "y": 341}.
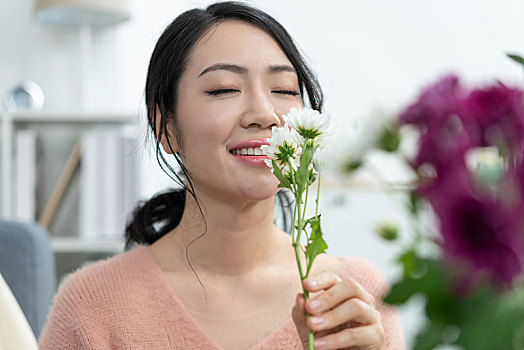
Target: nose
{"x": 259, "y": 111}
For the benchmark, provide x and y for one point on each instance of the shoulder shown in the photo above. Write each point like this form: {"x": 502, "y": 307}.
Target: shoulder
{"x": 99, "y": 280}
{"x": 85, "y": 302}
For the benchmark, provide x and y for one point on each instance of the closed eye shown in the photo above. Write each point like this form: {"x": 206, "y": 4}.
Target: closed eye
{"x": 221, "y": 92}
{"x": 229, "y": 91}
{"x": 286, "y": 92}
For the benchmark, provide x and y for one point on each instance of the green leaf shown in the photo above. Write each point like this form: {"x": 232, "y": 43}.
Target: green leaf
{"x": 516, "y": 58}
{"x": 429, "y": 337}
{"x": 412, "y": 264}
{"x": 316, "y": 244}
{"x": 486, "y": 319}
{"x": 351, "y": 165}
{"x": 284, "y": 182}
{"x": 305, "y": 160}
{"x": 492, "y": 320}
{"x": 420, "y": 276}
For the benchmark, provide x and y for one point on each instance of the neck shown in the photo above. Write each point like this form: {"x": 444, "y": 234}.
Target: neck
{"x": 239, "y": 238}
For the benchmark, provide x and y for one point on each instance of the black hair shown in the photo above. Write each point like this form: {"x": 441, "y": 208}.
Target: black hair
{"x": 161, "y": 214}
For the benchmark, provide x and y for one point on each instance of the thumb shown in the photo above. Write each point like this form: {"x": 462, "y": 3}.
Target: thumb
{"x": 299, "y": 317}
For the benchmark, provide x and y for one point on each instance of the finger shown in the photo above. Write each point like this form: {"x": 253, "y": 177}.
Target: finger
{"x": 337, "y": 294}
{"x": 299, "y": 317}
{"x": 367, "y": 337}
{"x": 321, "y": 281}
{"x": 352, "y": 310}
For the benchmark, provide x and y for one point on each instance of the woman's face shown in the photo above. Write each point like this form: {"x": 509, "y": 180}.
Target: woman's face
{"x": 237, "y": 85}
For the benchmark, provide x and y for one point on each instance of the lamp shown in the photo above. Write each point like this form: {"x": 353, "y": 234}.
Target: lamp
{"x": 83, "y": 15}
{"x": 82, "y": 12}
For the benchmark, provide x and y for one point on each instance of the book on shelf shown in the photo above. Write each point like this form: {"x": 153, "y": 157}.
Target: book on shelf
{"x": 105, "y": 194}
{"x": 25, "y": 175}
{"x": 108, "y": 184}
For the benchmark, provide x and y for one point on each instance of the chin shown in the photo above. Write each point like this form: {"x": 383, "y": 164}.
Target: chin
{"x": 260, "y": 195}
{"x": 261, "y": 192}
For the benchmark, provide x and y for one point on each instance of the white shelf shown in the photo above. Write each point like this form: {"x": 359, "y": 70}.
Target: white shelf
{"x": 11, "y": 122}
{"x": 74, "y": 118}
{"x": 79, "y": 245}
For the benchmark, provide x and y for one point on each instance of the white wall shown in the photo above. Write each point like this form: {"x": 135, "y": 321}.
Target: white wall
{"x": 368, "y": 54}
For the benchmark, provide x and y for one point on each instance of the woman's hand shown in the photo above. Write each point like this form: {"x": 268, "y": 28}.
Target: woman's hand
{"x": 342, "y": 314}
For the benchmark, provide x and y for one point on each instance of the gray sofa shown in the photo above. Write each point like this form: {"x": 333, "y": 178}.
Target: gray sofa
{"x": 27, "y": 265}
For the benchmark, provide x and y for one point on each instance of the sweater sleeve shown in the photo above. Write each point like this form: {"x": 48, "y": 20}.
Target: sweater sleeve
{"x": 62, "y": 330}
{"x": 374, "y": 283}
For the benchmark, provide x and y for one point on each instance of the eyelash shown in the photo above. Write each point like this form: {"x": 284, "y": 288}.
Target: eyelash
{"x": 228, "y": 91}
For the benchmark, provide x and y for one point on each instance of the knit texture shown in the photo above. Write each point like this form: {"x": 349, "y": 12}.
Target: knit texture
{"x": 125, "y": 302}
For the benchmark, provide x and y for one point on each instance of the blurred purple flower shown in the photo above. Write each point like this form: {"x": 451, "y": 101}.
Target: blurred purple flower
{"x": 495, "y": 117}
{"x": 434, "y": 104}
{"x": 515, "y": 180}
{"x": 482, "y": 232}
{"x": 436, "y": 114}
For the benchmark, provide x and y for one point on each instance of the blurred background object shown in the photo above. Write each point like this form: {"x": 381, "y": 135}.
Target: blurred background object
{"x": 26, "y": 96}
{"x": 27, "y": 266}
{"x": 83, "y": 15}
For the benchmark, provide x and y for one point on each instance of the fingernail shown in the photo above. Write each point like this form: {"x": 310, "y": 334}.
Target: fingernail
{"x": 319, "y": 343}
{"x": 316, "y": 304}
{"x": 313, "y": 282}
{"x": 317, "y": 320}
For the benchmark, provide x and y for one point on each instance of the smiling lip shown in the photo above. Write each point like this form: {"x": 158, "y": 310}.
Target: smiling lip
{"x": 250, "y": 159}
{"x": 250, "y": 144}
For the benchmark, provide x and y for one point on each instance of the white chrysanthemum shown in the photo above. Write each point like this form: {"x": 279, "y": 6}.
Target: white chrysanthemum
{"x": 285, "y": 169}
{"x": 309, "y": 124}
{"x": 283, "y": 146}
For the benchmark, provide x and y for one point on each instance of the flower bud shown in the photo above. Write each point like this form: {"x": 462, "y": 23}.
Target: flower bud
{"x": 388, "y": 231}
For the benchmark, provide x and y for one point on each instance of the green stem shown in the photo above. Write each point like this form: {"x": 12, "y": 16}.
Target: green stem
{"x": 293, "y": 238}
{"x": 297, "y": 254}
{"x": 296, "y": 245}
{"x": 296, "y": 242}
{"x": 318, "y": 194}
{"x": 293, "y": 179}
{"x": 296, "y": 239}
{"x": 305, "y": 207}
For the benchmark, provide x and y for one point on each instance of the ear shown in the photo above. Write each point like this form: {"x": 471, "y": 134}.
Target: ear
{"x": 164, "y": 137}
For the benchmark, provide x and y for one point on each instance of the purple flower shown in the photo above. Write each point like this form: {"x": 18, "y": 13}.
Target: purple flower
{"x": 482, "y": 233}
{"x": 495, "y": 117}
{"x": 436, "y": 113}
{"x": 483, "y": 229}
{"x": 515, "y": 181}
{"x": 435, "y": 103}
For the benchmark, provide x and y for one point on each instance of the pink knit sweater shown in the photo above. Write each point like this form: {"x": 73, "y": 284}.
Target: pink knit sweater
{"x": 125, "y": 302}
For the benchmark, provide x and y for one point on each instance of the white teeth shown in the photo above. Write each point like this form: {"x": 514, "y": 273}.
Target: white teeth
{"x": 248, "y": 151}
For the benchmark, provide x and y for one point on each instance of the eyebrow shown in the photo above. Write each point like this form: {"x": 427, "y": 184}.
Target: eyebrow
{"x": 242, "y": 70}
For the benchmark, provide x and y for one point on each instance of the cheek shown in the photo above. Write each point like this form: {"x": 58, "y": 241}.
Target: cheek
{"x": 283, "y": 107}
{"x": 203, "y": 141}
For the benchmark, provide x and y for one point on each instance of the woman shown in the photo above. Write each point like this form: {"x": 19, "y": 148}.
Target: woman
{"x": 212, "y": 271}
